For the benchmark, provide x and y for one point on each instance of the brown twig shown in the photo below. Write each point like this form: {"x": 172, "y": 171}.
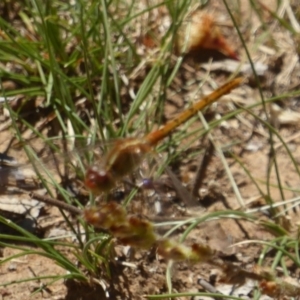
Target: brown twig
{"x": 77, "y": 211}
{"x": 186, "y": 197}
{"x": 57, "y": 203}
{"x": 201, "y": 171}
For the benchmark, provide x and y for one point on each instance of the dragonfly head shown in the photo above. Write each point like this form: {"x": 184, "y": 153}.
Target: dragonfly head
{"x": 99, "y": 180}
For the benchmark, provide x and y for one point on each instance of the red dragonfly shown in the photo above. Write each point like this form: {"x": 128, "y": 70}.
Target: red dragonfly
{"x": 125, "y": 155}
{"x": 123, "y": 158}
{"x": 128, "y": 153}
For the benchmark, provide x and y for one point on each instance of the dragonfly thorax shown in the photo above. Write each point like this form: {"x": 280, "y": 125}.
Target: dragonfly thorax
{"x": 126, "y": 155}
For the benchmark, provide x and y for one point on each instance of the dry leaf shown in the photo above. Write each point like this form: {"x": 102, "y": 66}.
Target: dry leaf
{"x": 200, "y": 31}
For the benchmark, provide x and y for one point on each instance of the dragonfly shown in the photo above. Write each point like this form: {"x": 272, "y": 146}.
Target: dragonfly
{"x": 122, "y": 159}
{"x": 127, "y": 154}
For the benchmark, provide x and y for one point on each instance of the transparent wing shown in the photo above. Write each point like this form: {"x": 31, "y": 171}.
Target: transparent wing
{"x": 148, "y": 192}
{"x": 49, "y": 164}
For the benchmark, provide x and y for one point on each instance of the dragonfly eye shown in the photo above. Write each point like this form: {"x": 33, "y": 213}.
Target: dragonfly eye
{"x": 98, "y": 180}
